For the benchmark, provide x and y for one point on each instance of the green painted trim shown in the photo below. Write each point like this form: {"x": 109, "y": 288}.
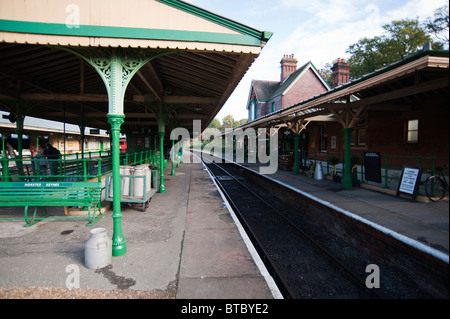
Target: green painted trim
{"x": 225, "y": 22}
{"x": 127, "y": 33}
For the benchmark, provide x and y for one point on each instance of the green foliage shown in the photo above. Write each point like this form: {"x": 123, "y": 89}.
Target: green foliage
{"x": 402, "y": 38}
{"x": 439, "y": 27}
{"x": 227, "y": 122}
{"x": 215, "y": 123}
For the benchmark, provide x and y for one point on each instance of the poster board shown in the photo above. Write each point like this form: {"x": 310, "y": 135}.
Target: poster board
{"x": 372, "y": 166}
{"x": 409, "y": 181}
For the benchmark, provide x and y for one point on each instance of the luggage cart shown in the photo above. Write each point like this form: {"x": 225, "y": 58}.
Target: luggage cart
{"x": 136, "y": 186}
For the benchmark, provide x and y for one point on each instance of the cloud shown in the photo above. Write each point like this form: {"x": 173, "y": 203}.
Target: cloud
{"x": 316, "y": 30}
{"x": 413, "y": 9}
{"x": 324, "y": 44}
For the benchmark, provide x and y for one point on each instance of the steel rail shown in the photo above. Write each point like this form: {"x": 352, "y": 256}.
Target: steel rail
{"x": 330, "y": 257}
{"x": 265, "y": 256}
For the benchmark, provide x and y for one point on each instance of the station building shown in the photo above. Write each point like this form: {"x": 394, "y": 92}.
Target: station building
{"x": 66, "y": 138}
{"x": 295, "y": 85}
{"x": 400, "y": 113}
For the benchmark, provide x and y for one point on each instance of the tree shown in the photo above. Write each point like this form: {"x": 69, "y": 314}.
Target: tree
{"x": 228, "y": 122}
{"x": 439, "y": 27}
{"x": 406, "y": 37}
{"x": 215, "y": 123}
{"x": 327, "y": 74}
{"x": 241, "y": 122}
{"x": 402, "y": 38}
{"x": 367, "y": 56}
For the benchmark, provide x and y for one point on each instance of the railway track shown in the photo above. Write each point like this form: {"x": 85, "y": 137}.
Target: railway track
{"x": 301, "y": 266}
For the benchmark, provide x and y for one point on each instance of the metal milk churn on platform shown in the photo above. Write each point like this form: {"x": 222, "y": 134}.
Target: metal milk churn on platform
{"x": 138, "y": 183}
{"x": 125, "y": 181}
{"x": 98, "y": 249}
{"x": 318, "y": 174}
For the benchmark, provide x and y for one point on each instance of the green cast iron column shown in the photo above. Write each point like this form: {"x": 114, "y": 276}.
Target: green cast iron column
{"x": 82, "y": 138}
{"x": 119, "y": 246}
{"x": 295, "y": 169}
{"x": 162, "y": 188}
{"x": 116, "y": 67}
{"x": 347, "y": 179}
{"x": 162, "y": 112}
{"x": 5, "y": 163}
{"x": 173, "y": 158}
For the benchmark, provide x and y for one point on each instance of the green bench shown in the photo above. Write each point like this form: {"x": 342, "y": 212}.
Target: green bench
{"x": 42, "y": 194}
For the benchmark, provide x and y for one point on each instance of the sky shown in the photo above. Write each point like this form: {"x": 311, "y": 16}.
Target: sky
{"x": 319, "y": 31}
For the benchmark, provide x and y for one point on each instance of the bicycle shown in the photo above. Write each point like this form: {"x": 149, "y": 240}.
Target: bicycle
{"x": 436, "y": 186}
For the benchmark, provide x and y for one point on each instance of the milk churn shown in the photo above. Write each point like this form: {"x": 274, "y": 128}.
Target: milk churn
{"x": 98, "y": 249}
{"x": 125, "y": 181}
{"x": 138, "y": 183}
{"x": 318, "y": 174}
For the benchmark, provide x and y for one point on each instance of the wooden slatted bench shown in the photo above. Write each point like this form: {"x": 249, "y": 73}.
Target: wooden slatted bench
{"x": 42, "y": 194}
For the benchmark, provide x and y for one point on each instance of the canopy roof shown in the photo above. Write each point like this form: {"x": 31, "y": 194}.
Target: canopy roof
{"x": 394, "y": 87}
{"x": 204, "y": 56}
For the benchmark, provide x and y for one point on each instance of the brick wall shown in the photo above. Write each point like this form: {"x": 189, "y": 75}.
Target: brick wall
{"x": 306, "y": 87}
{"x": 386, "y": 133}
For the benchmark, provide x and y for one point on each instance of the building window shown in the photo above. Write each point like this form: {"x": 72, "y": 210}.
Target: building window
{"x": 362, "y": 137}
{"x": 272, "y": 107}
{"x": 252, "y": 110}
{"x": 359, "y": 137}
{"x": 413, "y": 131}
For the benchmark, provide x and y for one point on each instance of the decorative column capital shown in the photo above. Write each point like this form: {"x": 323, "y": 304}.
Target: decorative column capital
{"x": 115, "y": 120}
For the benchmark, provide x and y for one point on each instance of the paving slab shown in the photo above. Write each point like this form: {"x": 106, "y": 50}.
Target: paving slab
{"x": 185, "y": 242}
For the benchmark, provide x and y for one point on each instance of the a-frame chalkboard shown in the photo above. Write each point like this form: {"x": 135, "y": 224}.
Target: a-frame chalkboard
{"x": 409, "y": 181}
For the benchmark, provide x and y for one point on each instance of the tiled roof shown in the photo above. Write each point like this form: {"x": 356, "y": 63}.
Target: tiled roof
{"x": 264, "y": 89}
{"x": 267, "y": 90}
{"x": 283, "y": 87}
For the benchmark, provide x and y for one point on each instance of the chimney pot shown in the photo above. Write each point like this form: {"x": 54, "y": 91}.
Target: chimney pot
{"x": 341, "y": 72}
{"x": 288, "y": 66}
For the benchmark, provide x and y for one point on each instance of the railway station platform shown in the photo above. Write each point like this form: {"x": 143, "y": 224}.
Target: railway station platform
{"x": 186, "y": 245}
{"x": 421, "y": 220}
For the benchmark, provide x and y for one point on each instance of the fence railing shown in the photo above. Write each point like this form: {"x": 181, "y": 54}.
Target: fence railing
{"x": 391, "y": 166}
{"x": 70, "y": 167}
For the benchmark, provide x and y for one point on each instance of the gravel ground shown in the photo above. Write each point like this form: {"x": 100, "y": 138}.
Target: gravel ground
{"x": 64, "y": 293}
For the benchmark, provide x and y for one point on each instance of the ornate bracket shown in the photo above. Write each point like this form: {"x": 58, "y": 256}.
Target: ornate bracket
{"x": 116, "y": 67}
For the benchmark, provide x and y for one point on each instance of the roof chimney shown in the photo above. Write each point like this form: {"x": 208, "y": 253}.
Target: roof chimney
{"x": 288, "y": 66}
{"x": 341, "y": 72}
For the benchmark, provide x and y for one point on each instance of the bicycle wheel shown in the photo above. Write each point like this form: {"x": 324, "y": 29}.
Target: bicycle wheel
{"x": 434, "y": 188}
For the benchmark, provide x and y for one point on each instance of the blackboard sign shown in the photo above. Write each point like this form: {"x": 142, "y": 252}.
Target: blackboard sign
{"x": 409, "y": 181}
{"x": 372, "y": 167}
